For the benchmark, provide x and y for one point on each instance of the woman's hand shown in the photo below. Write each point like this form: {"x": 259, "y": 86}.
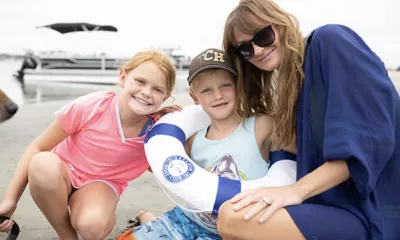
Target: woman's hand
{"x": 272, "y": 197}
{"x": 168, "y": 109}
{"x": 7, "y": 208}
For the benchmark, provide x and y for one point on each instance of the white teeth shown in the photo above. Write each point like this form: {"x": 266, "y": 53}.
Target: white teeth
{"x": 141, "y": 101}
{"x": 221, "y": 104}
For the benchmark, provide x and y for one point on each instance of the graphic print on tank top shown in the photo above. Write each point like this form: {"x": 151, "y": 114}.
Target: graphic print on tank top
{"x": 226, "y": 167}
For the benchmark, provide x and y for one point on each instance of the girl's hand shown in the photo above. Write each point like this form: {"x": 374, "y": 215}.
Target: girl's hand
{"x": 269, "y": 199}
{"x": 7, "y": 208}
{"x": 168, "y": 109}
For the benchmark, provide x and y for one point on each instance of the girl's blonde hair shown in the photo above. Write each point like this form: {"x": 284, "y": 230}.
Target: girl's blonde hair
{"x": 158, "y": 58}
{"x": 271, "y": 92}
{"x": 239, "y": 115}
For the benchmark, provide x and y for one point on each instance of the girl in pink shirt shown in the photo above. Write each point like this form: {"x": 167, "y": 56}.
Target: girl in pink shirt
{"x": 87, "y": 156}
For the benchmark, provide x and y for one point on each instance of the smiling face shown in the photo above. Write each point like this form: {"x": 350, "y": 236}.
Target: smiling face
{"x": 265, "y": 58}
{"x": 144, "y": 88}
{"x": 216, "y": 93}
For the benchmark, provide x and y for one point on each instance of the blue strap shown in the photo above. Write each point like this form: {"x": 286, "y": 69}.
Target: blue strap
{"x": 227, "y": 189}
{"x": 146, "y": 127}
{"x": 280, "y": 155}
{"x": 166, "y": 129}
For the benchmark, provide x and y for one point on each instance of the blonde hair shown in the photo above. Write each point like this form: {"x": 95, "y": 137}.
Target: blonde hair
{"x": 158, "y": 58}
{"x": 239, "y": 114}
{"x": 270, "y": 92}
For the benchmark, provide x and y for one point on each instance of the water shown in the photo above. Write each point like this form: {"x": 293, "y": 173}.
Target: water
{"x": 61, "y": 91}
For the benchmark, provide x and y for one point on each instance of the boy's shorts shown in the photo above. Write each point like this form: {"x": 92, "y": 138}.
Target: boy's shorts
{"x": 172, "y": 225}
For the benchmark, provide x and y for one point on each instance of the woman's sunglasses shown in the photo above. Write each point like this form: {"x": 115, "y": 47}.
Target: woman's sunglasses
{"x": 262, "y": 38}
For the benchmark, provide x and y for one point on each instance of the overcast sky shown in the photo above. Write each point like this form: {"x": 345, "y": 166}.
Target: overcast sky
{"x": 193, "y": 24}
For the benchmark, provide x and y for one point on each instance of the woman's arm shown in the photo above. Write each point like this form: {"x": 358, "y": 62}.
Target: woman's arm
{"x": 52, "y": 136}
{"x": 327, "y": 176}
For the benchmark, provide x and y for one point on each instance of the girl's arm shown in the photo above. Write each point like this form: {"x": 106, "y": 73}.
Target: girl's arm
{"x": 51, "y": 137}
{"x": 168, "y": 109}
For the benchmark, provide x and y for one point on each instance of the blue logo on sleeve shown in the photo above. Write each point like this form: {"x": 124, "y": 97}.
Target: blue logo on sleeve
{"x": 177, "y": 168}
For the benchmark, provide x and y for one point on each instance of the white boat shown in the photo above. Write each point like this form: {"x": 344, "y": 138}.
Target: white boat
{"x": 41, "y": 70}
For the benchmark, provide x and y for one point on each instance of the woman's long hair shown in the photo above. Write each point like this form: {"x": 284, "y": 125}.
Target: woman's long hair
{"x": 270, "y": 92}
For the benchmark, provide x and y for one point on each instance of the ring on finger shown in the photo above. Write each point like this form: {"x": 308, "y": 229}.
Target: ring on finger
{"x": 266, "y": 200}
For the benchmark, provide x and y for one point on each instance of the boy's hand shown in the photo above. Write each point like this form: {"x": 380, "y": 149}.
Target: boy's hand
{"x": 168, "y": 109}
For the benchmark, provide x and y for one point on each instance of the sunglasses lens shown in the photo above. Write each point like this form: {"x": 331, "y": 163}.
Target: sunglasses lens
{"x": 245, "y": 51}
{"x": 264, "y": 37}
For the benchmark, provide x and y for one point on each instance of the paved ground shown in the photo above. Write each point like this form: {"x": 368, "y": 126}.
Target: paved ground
{"x": 30, "y": 121}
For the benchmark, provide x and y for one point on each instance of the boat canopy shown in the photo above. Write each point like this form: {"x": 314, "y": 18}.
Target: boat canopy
{"x": 79, "y": 27}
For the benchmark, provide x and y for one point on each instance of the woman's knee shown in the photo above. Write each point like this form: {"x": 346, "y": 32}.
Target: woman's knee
{"x": 44, "y": 169}
{"x": 231, "y": 225}
{"x": 93, "y": 223}
{"x": 228, "y": 221}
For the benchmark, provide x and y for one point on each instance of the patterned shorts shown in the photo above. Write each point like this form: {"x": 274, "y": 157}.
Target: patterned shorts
{"x": 172, "y": 225}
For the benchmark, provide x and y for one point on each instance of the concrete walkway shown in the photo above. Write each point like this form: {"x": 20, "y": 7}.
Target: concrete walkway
{"x": 30, "y": 121}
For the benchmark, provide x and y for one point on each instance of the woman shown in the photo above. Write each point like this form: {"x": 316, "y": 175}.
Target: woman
{"x": 332, "y": 94}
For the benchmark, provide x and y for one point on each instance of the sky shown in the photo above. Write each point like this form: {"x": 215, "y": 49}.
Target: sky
{"x": 194, "y": 25}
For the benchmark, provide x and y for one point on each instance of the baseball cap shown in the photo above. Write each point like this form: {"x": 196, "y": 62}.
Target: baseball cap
{"x": 210, "y": 58}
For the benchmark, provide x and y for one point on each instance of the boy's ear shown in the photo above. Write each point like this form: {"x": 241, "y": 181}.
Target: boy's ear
{"x": 195, "y": 100}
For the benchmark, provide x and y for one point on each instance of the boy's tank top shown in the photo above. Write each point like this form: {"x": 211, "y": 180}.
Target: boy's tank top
{"x": 236, "y": 157}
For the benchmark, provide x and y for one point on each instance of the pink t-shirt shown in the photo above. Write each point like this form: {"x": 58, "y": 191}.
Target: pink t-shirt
{"x": 96, "y": 149}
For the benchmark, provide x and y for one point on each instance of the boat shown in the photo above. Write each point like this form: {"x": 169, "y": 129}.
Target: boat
{"x": 59, "y": 67}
